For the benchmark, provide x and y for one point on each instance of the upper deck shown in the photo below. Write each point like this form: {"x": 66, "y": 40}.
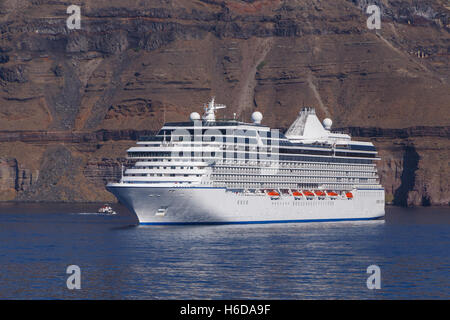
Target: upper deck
{"x": 230, "y": 153}
{"x": 306, "y": 136}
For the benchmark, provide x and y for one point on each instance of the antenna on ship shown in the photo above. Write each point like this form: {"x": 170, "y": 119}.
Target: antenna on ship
{"x": 121, "y": 179}
{"x": 164, "y": 114}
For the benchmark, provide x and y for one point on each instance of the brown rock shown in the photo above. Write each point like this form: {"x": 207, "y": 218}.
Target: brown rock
{"x": 87, "y": 94}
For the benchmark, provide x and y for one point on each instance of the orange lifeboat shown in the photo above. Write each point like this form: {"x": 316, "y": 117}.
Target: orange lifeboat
{"x": 273, "y": 194}
{"x": 349, "y": 195}
{"x": 320, "y": 193}
{"x": 332, "y": 194}
{"x": 308, "y": 193}
{"x": 297, "y": 195}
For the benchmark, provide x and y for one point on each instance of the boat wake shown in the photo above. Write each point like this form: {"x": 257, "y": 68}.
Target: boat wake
{"x": 91, "y": 214}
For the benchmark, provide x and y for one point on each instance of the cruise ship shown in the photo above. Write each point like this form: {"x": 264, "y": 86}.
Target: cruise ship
{"x": 211, "y": 171}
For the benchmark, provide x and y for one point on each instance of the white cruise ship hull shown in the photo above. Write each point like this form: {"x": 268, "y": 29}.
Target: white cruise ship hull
{"x": 202, "y": 205}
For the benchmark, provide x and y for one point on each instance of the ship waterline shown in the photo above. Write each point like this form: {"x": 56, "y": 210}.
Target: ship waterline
{"x": 221, "y": 172}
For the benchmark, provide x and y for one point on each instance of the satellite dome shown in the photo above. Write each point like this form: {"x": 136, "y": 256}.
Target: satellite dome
{"x": 327, "y": 123}
{"x": 194, "y": 116}
{"x": 257, "y": 117}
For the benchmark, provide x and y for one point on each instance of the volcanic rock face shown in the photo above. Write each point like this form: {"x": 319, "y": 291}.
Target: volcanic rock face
{"x": 72, "y": 101}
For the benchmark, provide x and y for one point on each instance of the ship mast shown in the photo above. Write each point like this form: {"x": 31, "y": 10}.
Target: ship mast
{"x": 210, "y": 110}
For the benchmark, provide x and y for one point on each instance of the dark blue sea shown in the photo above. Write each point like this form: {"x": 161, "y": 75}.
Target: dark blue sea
{"x": 120, "y": 260}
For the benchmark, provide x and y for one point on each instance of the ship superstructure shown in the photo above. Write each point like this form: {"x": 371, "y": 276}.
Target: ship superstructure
{"x": 210, "y": 171}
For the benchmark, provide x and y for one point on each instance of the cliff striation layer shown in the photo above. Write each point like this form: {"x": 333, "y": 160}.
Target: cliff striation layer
{"x": 72, "y": 101}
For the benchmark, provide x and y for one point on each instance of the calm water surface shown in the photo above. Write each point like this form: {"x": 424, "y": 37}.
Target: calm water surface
{"x": 120, "y": 260}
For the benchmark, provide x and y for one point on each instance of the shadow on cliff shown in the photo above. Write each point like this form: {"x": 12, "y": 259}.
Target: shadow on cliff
{"x": 408, "y": 177}
{"x": 57, "y": 177}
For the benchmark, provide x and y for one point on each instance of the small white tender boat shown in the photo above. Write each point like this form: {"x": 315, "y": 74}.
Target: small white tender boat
{"x": 107, "y": 210}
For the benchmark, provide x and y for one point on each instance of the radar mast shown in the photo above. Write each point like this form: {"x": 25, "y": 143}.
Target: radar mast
{"x": 210, "y": 110}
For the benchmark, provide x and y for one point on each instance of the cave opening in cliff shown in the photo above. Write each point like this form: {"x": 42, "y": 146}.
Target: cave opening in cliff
{"x": 408, "y": 178}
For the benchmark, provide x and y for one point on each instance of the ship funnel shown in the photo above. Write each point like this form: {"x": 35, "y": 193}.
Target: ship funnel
{"x": 307, "y": 126}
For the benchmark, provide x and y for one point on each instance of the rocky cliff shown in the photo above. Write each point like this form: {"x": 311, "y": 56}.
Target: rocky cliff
{"x": 72, "y": 101}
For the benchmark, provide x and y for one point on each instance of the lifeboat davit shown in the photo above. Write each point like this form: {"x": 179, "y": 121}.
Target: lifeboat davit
{"x": 273, "y": 195}
{"x": 349, "y": 195}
